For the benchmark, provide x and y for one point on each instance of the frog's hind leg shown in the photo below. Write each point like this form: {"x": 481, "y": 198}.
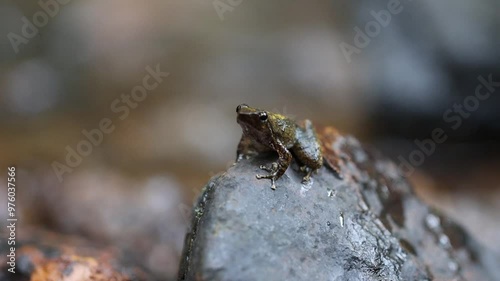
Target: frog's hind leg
{"x": 307, "y": 150}
{"x": 308, "y": 171}
{"x": 307, "y": 177}
{"x": 271, "y": 169}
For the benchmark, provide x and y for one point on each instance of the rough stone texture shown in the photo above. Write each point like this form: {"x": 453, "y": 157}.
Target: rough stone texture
{"x": 367, "y": 225}
{"x": 45, "y": 256}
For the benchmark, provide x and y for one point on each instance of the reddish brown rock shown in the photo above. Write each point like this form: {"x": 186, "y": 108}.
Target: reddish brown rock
{"x": 45, "y": 256}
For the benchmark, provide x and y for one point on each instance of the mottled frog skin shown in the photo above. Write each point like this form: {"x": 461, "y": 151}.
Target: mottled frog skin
{"x": 266, "y": 131}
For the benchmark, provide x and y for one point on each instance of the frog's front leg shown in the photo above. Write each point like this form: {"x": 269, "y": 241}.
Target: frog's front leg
{"x": 277, "y": 169}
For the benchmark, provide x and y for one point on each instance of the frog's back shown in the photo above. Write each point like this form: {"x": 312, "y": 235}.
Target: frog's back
{"x": 284, "y": 130}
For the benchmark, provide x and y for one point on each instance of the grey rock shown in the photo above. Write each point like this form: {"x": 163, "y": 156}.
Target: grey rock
{"x": 365, "y": 225}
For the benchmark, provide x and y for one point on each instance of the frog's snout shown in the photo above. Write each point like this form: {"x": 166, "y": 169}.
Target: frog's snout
{"x": 239, "y": 107}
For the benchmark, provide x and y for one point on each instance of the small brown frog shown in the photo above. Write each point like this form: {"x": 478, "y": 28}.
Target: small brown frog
{"x": 266, "y": 131}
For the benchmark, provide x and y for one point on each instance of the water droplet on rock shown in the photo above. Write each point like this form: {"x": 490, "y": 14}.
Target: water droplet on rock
{"x": 444, "y": 241}
{"x": 453, "y": 266}
{"x": 432, "y": 221}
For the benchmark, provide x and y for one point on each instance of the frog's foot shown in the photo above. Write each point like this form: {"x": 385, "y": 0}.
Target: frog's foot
{"x": 308, "y": 171}
{"x": 271, "y": 169}
{"x": 272, "y": 176}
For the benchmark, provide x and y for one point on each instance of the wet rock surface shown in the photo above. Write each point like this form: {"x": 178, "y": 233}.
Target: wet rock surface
{"x": 365, "y": 225}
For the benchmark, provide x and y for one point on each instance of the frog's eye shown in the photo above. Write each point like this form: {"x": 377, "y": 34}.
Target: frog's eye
{"x": 240, "y": 106}
{"x": 263, "y": 116}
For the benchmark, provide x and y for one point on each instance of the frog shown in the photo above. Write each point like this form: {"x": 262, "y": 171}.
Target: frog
{"x": 265, "y": 131}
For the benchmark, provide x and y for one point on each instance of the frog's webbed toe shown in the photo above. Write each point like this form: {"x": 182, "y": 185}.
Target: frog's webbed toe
{"x": 307, "y": 177}
{"x": 272, "y": 177}
{"x": 272, "y": 174}
{"x": 308, "y": 173}
{"x": 271, "y": 169}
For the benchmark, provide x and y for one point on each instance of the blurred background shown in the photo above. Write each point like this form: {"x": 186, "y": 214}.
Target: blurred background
{"x": 384, "y": 71}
